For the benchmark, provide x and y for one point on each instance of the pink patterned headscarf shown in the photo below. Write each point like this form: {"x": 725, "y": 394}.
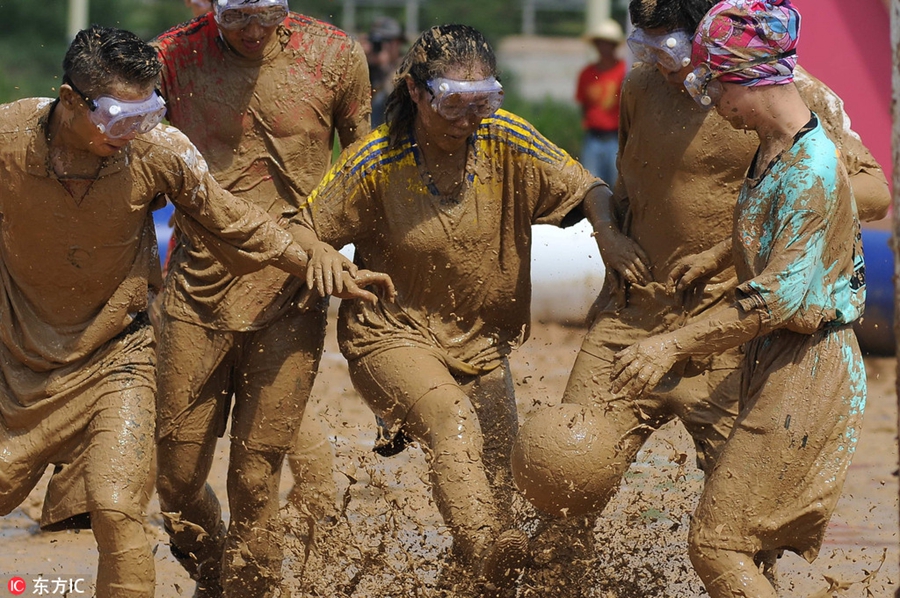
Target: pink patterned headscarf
{"x": 755, "y": 41}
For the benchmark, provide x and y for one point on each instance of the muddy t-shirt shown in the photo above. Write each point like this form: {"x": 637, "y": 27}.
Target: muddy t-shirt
{"x": 797, "y": 242}
{"x": 75, "y": 270}
{"x": 462, "y": 263}
{"x": 680, "y": 171}
{"x": 266, "y": 127}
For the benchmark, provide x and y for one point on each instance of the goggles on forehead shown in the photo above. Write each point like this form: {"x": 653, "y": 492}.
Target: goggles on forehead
{"x": 117, "y": 118}
{"x": 237, "y": 14}
{"x": 704, "y": 86}
{"x": 455, "y": 99}
{"x": 672, "y": 51}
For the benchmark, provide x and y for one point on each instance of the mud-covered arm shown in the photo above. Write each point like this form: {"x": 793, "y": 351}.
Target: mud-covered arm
{"x": 764, "y": 303}
{"x": 619, "y": 252}
{"x": 353, "y": 108}
{"x": 240, "y": 234}
{"x": 335, "y": 215}
{"x": 641, "y": 366}
{"x": 870, "y": 186}
{"x": 621, "y": 255}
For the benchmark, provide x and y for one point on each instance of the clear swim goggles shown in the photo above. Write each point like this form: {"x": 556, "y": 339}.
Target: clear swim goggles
{"x": 671, "y": 51}
{"x": 119, "y": 118}
{"x": 453, "y": 99}
{"x": 704, "y": 86}
{"x": 237, "y": 14}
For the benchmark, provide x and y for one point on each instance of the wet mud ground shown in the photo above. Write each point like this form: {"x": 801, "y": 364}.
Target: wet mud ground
{"x": 389, "y": 541}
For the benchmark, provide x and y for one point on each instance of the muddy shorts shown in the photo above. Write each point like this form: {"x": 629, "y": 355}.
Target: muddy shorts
{"x": 98, "y": 436}
{"x": 268, "y": 372}
{"x": 780, "y": 475}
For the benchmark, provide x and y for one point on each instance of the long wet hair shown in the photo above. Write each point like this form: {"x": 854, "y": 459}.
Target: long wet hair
{"x": 99, "y": 56}
{"x": 669, "y": 14}
{"x": 435, "y": 52}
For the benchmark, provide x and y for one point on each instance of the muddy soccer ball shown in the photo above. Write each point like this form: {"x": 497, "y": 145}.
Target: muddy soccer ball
{"x": 560, "y": 464}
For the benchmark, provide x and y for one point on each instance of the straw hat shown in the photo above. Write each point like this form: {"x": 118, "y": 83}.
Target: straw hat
{"x": 608, "y": 29}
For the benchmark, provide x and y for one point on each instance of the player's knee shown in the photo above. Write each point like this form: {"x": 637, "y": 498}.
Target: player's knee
{"x": 709, "y": 562}
{"x": 116, "y": 531}
{"x": 254, "y": 476}
{"x": 179, "y": 475}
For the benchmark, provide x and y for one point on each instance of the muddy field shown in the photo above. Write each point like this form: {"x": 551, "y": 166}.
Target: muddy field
{"x": 389, "y": 542}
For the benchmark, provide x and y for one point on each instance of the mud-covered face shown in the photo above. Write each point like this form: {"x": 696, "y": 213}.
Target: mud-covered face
{"x": 449, "y": 129}
{"x": 118, "y": 118}
{"x": 249, "y": 28}
{"x": 731, "y": 104}
{"x": 454, "y": 99}
{"x": 105, "y": 125}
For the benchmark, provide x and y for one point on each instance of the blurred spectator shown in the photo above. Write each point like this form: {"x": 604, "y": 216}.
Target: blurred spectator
{"x": 598, "y": 94}
{"x": 384, "y": 52}
{"x": 199, "y": 7}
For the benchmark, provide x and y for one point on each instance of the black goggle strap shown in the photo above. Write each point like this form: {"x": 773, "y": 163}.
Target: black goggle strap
{"x": 87, "y": 100}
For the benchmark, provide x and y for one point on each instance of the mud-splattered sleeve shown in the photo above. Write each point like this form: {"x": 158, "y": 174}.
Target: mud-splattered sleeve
{"x": 626, "y": 108}
{"x": 792, "y": 239}
{"x": 555, "y": 182}
{"x": 244, "y": 237}
{"x": 870, "y": 187}
{"x": 353, "y": 109}
{"x": 340, "y": 210}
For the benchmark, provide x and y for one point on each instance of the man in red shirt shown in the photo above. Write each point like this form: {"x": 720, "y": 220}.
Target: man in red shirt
{"x": 598, "y": 94}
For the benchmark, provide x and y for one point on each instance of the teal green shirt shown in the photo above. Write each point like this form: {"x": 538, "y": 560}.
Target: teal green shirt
{"x": 797, "y": 242}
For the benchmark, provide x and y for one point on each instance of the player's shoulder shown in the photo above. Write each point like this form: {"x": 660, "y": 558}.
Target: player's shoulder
{"x": 509, "y": 132}
{"x": 375, "y": 151}
{"x": 22, "y": 117}
{"x": 310, "y": 26}
{"x": 185, "y": 34}
{"x": 642, "y": 76}
{"x": 165, "y": 143}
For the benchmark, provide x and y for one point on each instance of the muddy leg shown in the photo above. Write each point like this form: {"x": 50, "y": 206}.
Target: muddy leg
{"x": 444, "y": 420}
{"x": 254, "y": 544}
{"x": 729, "y": 574}
{"x": 125, "y": 568}
{"x": 191, "y": 511}
{"x": 312, "y": 463}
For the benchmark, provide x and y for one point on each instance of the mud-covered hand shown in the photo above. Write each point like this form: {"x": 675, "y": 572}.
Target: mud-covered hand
{"x": 639, "y": 368}
{"x": 623, "y": 255}
{"x": 353, "y": 286}
{"x": 698, "y": 266}
{"x": 326, "y": 268}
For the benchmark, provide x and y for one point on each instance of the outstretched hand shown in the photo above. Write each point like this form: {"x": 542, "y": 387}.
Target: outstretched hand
{"x": 639, "y": 368}
{"x": 352, "y": 286}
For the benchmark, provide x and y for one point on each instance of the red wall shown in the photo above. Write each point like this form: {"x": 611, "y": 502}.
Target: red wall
{"x": 847, "y": 44}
